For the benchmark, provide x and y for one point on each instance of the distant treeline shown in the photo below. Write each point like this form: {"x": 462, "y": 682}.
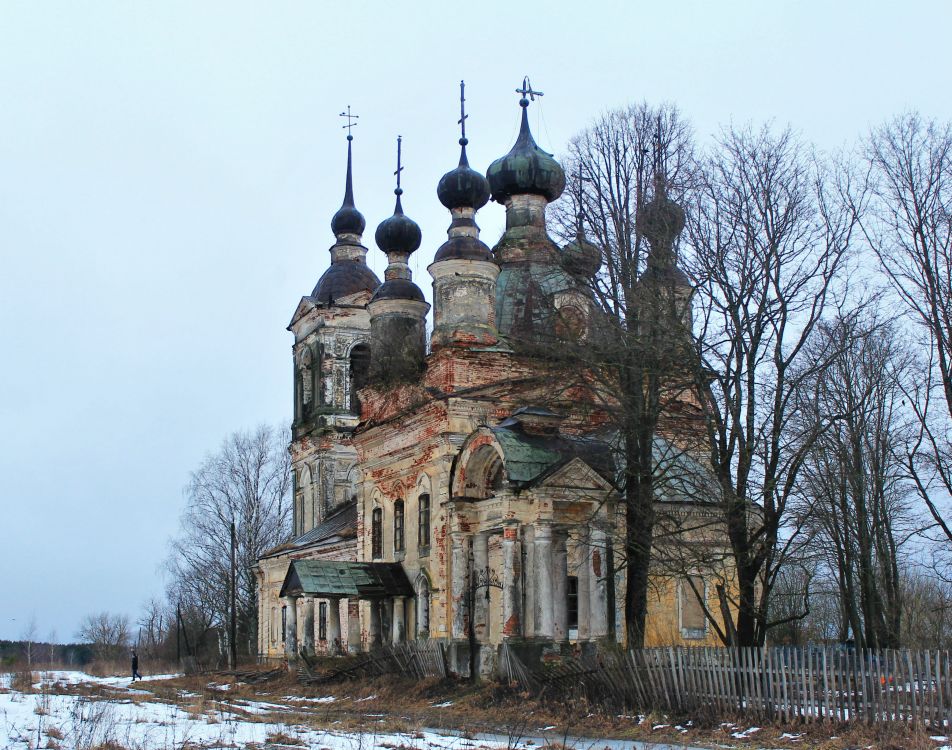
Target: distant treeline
{"x": 21, "y": 654}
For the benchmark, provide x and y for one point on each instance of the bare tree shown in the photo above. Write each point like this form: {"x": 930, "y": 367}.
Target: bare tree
{"x": 28, "y": 637}
{"x": 854, "y": 474}
{"x": 768, "y": 240}
{"x": 246, "y": 483}
{"x": 107, "y": 633}
{"x": 630, "y": 361}
{"x": 908, "y": 223}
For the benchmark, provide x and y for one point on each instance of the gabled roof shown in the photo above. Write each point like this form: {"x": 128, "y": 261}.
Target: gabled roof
{"x": 333, "y": 579}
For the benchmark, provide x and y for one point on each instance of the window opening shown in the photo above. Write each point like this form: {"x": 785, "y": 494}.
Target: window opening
{"x": 398, "y": 526}
{"x": 359, "y": 370}
{"x": 423, "y": 527}
{"x": 376, "y": 533}
{"x": 571, "y": 595}
{"x": 322, "y": 621}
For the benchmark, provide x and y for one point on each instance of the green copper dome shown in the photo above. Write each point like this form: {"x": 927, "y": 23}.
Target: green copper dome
{"x": 526, "y": 168}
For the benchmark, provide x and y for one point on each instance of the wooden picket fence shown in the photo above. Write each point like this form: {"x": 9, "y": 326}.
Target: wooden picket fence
{"x": 807, "y": 684}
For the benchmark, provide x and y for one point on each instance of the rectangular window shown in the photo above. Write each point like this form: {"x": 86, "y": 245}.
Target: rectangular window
{"x": 693, "y": 621}
{"x": 376, "y": 534}
{"x": 322, "y": 621}
{"x": 423, "y": 527}
{"x": 571, "y": 594}
{"x": 284, "y": 622}
{"x": 398, "y": 526}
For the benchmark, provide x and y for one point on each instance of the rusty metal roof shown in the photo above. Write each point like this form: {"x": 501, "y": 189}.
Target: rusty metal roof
{"x": 336, "y": 579}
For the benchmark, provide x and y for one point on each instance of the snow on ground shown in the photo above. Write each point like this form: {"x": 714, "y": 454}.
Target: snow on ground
{"x": 135, "y": 719}
{"x": 29, "y": 720}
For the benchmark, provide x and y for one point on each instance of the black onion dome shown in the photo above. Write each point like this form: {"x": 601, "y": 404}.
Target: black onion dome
{"x": 661, "y": 219}
{"x": 581, "y": 257}
{"x": 399, "y": 233}
{"x": 398, "y": 289}
{"x": 343, "y": 278}
{"x": 348, "y": 220}
{"x": 463, "y": 248}
{"x": 463, "y": 187}
{"x": 526, "y": 168}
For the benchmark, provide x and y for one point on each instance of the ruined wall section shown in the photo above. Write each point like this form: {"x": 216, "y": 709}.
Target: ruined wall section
{"x": 327, "y": 344}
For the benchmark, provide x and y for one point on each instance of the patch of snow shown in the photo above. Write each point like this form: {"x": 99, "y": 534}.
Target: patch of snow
{"x": 368, "y": 698}
{"x": 745, "y": 734}
{"x": 444, "y": 704}
{"x": 301, "y": 699}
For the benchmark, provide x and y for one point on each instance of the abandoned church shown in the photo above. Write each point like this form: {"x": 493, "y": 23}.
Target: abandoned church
{"x": 444, "y": 486}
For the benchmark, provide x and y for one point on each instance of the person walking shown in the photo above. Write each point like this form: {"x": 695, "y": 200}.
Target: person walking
{"x": 135, "y": 666}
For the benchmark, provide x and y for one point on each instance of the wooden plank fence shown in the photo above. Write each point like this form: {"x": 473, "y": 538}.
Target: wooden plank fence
{"x": 417, "y": 659}
{"x": 808, "y": 684}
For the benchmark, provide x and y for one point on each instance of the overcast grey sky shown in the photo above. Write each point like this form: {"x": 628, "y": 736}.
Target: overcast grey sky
{"x": 168, "y": 171}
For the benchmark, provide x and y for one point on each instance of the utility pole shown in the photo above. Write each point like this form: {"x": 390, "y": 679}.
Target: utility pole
{"x": 234, "y": 602}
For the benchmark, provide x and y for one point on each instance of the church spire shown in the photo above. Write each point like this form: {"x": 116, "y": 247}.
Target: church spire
{"x": 348, "y": 273}
{"x": 348, "y": 220}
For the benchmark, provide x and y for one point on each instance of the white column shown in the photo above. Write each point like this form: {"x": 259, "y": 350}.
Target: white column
{"x": 398, "y": 627}
{"x": 584, "y": 552}
{"x": 333, "y": 627}
{"x": 353, "y": 626}
{"x": 459, "y": 584}
{"x": 307, "y": 624}
{"x": 290, "y": 628}
{"x": 598, "y": 585}
{"x": 542, "y": 542}
{"x": 560, "y": 602}
{"x": 386, "y": 621}
{"x": 511, "y": 573}
{"x": 481, "y": 573}
{"x": 374, "y": 630}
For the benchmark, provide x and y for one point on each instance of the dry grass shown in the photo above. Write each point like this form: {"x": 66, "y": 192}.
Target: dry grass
{"x": 282, "y": 738}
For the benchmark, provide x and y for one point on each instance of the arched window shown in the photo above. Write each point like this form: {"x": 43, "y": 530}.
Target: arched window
{"x": 359, "y": 369}
{"x": 376, "y": 534}
{"x": 398, "y": 523}
{"x": 423, "y": 524}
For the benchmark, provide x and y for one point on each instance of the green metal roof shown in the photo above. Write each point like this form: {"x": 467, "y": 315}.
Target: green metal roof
{"x": 527, "y": 458}
{"x": 336, "y": 579}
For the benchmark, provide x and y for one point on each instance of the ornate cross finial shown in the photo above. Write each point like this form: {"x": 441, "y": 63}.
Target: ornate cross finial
{"x": 462, "y": 113}
{"x": 527, "y": 91}
{"x": 350, "y": 122}
{"x": 399, "y": 190}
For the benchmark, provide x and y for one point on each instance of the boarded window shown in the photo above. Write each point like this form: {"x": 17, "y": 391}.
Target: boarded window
{"x": 693, "y": 624}
{"x": 376, "y": 534}
{"x": 571, "y": 594}
{"x": 423, "y": 528}
{"x": 398, "y": 526}
{"x": 322, "y": 621}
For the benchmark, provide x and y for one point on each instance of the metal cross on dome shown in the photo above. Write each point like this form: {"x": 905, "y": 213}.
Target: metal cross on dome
{"x": 462, "y": 109}
{"x": 350, "y": 121}
{"x": 527, "y": 91}
{"x": 399, "y": 166}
